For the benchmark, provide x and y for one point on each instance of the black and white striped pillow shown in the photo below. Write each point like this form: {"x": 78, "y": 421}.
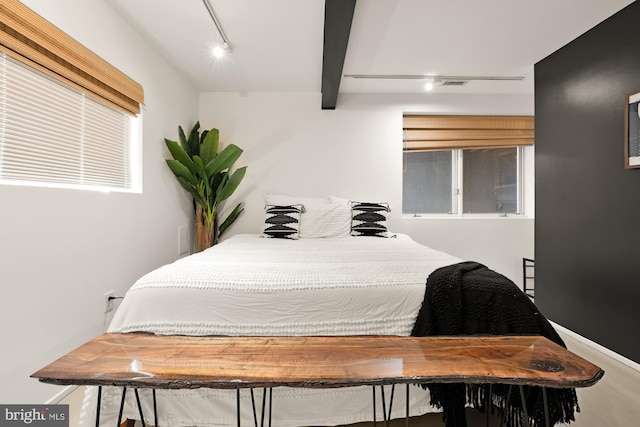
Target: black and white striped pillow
{"x": 282, "y": 222}
{"x": 369, "y": 219}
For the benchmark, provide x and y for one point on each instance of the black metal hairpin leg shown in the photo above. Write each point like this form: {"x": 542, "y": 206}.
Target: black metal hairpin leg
{"x": 135, "y": 390}
{"x": 406, "y": 418}
{"x": 524, "y": 406}
{"x": 238, "y": 406}
{"x": 98, "y": 407}
{"x": 253, "y": 405}
{"x": 155, "y": 409}
{"x": 546, "y": 406}
{"x": 124, "y": 394}
{"x": 386, "y": 416}
{"x": 393, "y": 392}
{"x": 271, "y": 404}
{"x": 264, "y": 399}
{"x": 374, "y": 405}
{"x": 487, "y": 404}
{"x": 506, "y": 404}
{"x": 384, "y": 407}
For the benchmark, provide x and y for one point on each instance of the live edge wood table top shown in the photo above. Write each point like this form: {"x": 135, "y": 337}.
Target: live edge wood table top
{"x": 142, "y": 360}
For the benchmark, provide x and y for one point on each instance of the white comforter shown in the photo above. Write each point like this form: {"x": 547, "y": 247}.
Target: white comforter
{"x": 249, "y": 285}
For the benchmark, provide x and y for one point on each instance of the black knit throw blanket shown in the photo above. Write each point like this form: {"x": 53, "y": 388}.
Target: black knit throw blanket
{"x": 468, "y": 298}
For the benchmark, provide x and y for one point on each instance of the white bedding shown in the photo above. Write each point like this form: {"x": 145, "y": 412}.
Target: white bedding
{"x": 250, "y": 285}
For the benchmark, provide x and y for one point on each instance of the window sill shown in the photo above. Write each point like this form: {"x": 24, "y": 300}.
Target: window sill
{"x": 467, "y": 216}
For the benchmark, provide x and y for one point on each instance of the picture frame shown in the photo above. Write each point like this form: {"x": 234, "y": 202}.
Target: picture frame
{"x": 632, "y": 132}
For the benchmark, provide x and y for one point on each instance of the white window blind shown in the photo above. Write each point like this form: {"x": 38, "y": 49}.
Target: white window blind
{"x": 54, "y": 135}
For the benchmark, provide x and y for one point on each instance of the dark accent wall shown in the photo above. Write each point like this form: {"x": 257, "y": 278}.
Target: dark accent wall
{"x": 587, "y": 227}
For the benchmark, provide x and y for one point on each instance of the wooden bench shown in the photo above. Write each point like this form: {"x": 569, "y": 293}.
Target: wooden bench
{"x": 139, "y": 360}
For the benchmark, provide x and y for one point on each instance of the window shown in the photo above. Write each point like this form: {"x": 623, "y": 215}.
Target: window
{"x": 53, "y": 135}
{"x": 464, "y": 164}
{"x": 428, "y": 182}
{"x": 67, "y": 117}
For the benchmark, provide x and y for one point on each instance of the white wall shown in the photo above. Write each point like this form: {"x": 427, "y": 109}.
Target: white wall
{"x": 61, "y": 250}
{"x": 293, "y": 147}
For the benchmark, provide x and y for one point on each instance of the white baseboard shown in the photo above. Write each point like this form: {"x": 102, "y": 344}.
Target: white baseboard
{"x": 612, "y": 354}
{"x": 64, "y": 393}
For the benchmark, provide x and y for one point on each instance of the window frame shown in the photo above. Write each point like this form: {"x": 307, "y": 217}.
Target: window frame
{"x": 30, "y": 40}
{"x": 88, "y": 129}
{"x": 456, "y": 133}
{"x": 457, "y": 189}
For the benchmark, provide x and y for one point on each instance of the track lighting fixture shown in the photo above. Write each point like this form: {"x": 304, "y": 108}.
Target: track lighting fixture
{"x": 225, "y": 47}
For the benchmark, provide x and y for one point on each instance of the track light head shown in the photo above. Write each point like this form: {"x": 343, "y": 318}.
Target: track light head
{"x": 221, "y": 50}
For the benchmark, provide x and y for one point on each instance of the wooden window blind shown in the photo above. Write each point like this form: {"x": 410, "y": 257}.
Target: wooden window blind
{"x": 426, "y": 133}
{"x": 31, "y": 39}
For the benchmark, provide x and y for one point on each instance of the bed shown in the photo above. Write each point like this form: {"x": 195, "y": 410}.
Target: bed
{"x": 353, "y": 283}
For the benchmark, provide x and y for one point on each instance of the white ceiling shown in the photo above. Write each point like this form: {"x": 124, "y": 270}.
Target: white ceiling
{"x": 278, "y": 44}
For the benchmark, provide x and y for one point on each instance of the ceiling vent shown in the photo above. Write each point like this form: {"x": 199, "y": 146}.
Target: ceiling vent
{"x": 454, "y": 82}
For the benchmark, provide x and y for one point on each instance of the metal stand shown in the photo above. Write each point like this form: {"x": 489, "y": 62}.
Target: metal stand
{"x": 124, "y": 395}
{"x": 253, "y": 405}
{"x": 155, "y": 409}
{"x": 98, "y": 408}
{"x": 406, "y": 418}
{"x": 488, "y": 405}
{"x": 506, "y": 403}
{"x": 122, "y": 401}
{"x": 386, "y": 415}
{"x": 135, "y": 390}
{"x": 524, "y": 406}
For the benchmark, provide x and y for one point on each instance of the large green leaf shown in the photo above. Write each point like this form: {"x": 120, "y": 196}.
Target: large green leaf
{"x": 215, "y": 181}
{"x": 230, "y": 219}
{"x": 183, "y": 141}
{"x": 180, "y": 155}
{"x": 203, "y": 135}
{"x": 229, "y": 185}
{"x": 181, "y": 171}
{"x": 209, "y": 148}
{"x": 194, "y": 140}
{"x": 221, "y": 183}
{"x": 224, "y": 160}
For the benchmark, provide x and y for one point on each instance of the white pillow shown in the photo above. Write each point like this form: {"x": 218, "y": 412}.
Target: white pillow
{"x": 330, "y": 220}
{"x": 321, "y": 217}
{"x": 340, "y": 201}
{"x": 285, "y": 200}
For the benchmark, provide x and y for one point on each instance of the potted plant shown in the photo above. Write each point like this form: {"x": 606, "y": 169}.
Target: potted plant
{"x": 206, "y": 174}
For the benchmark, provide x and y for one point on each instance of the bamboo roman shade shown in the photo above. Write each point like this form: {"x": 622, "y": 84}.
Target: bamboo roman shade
{"x": 31, "y": 39}
{"x": 425, "y": 133}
